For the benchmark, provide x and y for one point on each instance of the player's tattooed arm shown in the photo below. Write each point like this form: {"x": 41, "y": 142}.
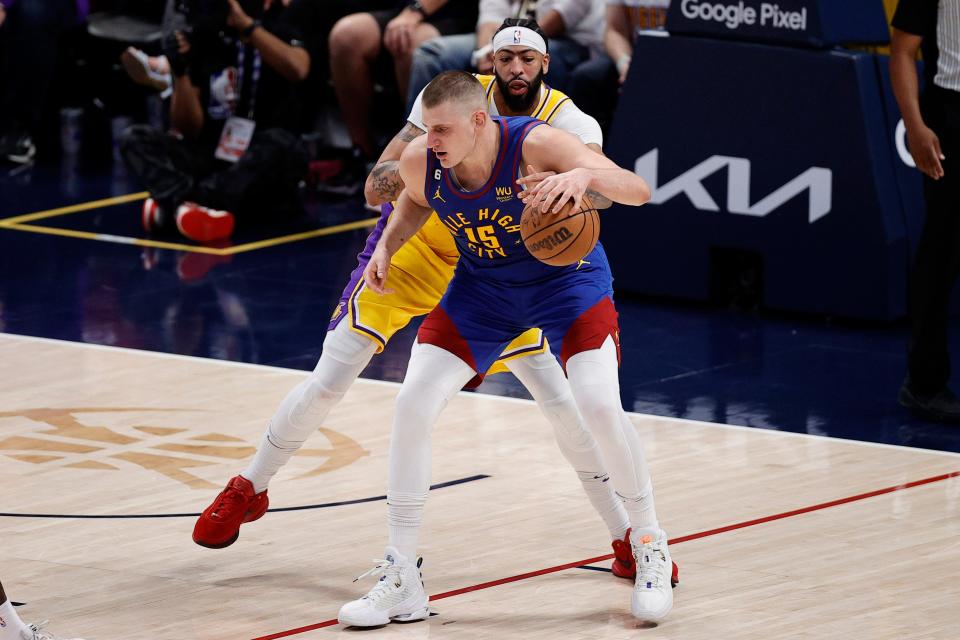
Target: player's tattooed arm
{"x": 599, "y": 200}
{"x": 384, "y": 183}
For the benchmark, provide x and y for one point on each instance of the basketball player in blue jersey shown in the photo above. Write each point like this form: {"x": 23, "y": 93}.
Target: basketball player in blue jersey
{"x": 466, "y": 161}
{"x": 364, "y": 321}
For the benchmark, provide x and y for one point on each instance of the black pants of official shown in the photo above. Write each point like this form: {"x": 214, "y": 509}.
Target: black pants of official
{"x": 938, "y": 255}
{"x": 260, "y": 187}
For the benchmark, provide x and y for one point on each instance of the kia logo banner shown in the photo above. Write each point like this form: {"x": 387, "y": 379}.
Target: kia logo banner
{"x": 814, "y": 23}
{"x": 782, "y": 157}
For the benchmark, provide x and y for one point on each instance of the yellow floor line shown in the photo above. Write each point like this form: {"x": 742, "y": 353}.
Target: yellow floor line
{"x": 106, "y": 237}
{"x": 83, "y": 206}
{"x": 306, "y": 235}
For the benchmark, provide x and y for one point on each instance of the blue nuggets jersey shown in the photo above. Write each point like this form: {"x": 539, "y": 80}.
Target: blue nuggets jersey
{"x": 486, "y": 223}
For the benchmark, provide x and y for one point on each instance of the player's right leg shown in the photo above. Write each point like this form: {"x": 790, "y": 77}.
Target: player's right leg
{"x": 434, "y": 376}
{"x": 345, "y": 354}
{"x": 362, "y": 325}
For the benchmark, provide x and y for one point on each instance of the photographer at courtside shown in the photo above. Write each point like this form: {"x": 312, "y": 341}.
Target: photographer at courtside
{"x": 233, "y": 154}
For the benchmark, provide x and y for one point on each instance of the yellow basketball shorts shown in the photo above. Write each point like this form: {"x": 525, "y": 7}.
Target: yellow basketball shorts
{"x": 419, "y": 274}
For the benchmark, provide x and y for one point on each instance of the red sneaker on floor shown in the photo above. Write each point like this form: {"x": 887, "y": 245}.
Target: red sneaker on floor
{"x": 148, "y": 215}
{"x": 219, "y": 524}
{"x": 624, "y": 566}
{"x": 203, "y": 224}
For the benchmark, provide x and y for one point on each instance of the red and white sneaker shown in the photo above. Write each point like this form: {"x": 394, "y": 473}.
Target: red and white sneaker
{"x": 219, "y": 524}
{"x": 203, "y": 224}
{"x": 148, "y": 215}
{"x": 624, "y": 566}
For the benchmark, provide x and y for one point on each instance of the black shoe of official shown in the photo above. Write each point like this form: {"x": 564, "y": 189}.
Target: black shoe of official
{"x": 942, "y": 406}
{"x": 17, "y": 146}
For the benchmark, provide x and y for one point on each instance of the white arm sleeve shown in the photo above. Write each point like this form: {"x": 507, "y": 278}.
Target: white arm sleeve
{"x": 416, "y": 112}
{"x": 584, "y": 126}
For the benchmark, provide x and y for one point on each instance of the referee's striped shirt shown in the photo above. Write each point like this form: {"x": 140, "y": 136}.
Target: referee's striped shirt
{"x": 938, "y": 22}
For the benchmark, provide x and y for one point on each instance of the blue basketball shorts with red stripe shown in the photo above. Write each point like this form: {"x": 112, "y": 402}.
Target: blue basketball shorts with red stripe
{"x": 478, "y": 315}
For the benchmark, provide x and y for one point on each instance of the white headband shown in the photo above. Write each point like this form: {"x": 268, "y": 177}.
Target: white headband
{"x": 519, "y": 36}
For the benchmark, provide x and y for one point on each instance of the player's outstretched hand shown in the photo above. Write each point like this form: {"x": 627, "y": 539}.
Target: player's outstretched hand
{"x": 554, "y": 189}
{"x": 375, "y": 275}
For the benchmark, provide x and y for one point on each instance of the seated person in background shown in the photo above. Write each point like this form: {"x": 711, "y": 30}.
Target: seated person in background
{"x": 363, "y": 42}
{"x": 234, "y": 153}
{"x": 574, "y": 28}
{"x": 30, "y": 32}
{"x": 596, "y": 84}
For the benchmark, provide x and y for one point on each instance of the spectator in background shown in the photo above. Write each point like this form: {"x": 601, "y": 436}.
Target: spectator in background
{"x": 235, "y": 152}
{"x": 30, "y": 31}
{"x": 596, "y": 84}
{"x": 362, "y": 42}
{"x": 933, "y": 136}
{"x": 574, "y": 28}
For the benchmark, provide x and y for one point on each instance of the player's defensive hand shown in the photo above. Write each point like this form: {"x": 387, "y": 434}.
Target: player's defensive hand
{"x": 925, "y": 149}
{"x": 553, "y": 189}
{"x": 375, "y": 275}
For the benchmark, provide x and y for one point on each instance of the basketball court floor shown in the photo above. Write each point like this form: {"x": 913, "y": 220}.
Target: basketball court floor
{"x": 139, "y": 373}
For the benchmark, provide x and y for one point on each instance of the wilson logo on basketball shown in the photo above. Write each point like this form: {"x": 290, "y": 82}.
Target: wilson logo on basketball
{"x": 58, "y": 438}
{"x": 552, "y": 241}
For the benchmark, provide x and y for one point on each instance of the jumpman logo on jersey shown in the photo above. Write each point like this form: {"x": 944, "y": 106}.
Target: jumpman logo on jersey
{"x": 581, "y": 263}
{"x": 437, "y": 196}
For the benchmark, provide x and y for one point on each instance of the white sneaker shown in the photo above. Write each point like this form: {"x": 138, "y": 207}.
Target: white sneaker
{"x": 397, "y": 596}
{"x": 652, "y": 592}
{"x": 33, "y": 632}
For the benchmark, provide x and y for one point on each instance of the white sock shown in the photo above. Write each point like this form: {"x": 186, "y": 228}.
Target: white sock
{"x": 434, "y": 375}
{"x": 404, "y": 515}
{"x": 643, "y": 514}
{"x": 11, "y": 625}
{"x": 345, "y": 354}
{"x": 544, "y": 379}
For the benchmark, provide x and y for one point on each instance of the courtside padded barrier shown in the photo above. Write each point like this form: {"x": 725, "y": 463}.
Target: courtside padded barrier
{"x": 807, "y": 23}
{"x": 783, "y": 154}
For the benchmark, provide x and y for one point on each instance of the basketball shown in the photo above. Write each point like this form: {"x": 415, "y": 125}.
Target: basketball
{"x": 562, "y": 238}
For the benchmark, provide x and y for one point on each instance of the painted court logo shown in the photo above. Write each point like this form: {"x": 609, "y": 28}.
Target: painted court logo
{"x": 71, "y": 438}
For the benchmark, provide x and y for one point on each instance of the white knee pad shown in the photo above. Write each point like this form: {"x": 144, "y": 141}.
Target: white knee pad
{"x": 541, "y": 374}
{"x": 567, "y": 423}
{"x": 345, "y": 354}
{"x": 433, "y": 377}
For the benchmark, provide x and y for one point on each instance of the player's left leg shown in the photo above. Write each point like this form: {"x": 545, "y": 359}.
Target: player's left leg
{"x": 593, "y": 379}
{"x": 544, "y": 379}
